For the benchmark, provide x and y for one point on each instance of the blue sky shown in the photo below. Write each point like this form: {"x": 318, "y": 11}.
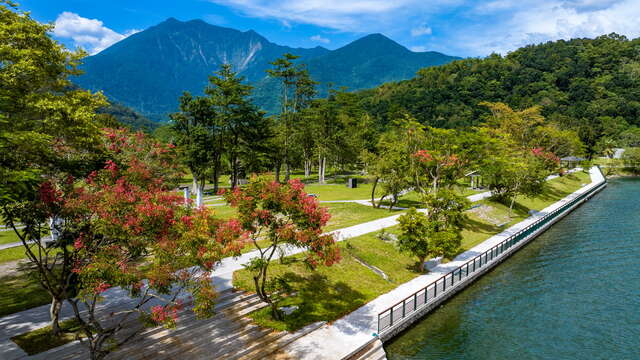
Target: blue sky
{"x": 455, "y": 27}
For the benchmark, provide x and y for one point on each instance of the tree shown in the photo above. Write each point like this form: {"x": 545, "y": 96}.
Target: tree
{"x": 446, "y": 218}
{"x": 519, "y": 165}
{"x": 297, "y": 91}
{"x": 124, "y": 227}
{"x": 391, "y": 166}
{"x": 47, "y": 126}
{"x": 414, "y": 238}
{"x": 242, "y": 125}
{"x": 281, "y": 215}
{"x": 198, "y": 138}
{"x": 48, "y": 132}
{"x": 631, "y": 159}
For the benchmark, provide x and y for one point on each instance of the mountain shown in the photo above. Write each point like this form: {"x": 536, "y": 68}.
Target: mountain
{"x": 149, "y": 70}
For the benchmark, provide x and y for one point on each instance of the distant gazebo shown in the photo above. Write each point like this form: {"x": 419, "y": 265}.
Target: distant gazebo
{"x": 475, "y": 179}
{"x": 570, "y": 162}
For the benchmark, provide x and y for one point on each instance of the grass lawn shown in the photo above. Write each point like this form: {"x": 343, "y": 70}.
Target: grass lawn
{"x": 8, "y": 236}
{"x": 414, "y": 198}
{"x": 20, "y": 292}
{"x": 12, "y": 254}
{"x": 479, "y": 229}
{"x": 348, "y": 214}
{"x": 332, "y": 292}
{"x": 42, "y": 339}
{"x": 330, "y": 192}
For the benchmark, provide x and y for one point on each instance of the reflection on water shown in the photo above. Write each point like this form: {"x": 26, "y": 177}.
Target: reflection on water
{"x": 573, "y": 293}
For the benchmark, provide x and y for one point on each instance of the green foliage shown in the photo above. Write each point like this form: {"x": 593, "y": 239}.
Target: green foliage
{"x": 414, "y": 237}
{"x": 631, "y": 158}
{"x": 582, "y": 84}
{"x": 46, "y": 125}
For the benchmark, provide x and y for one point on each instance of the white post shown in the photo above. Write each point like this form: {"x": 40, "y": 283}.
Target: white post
{"x": 54, "y": 222}
{"x": 187, "y": 195}
{"x": 199, "y": 195}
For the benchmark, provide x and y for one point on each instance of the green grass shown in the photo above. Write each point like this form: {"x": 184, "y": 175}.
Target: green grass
{"x": 8, "y": 236}
{"x": 20, "y": 292}
{"x": 348, "y": 214}
{"x": 477, "y": 230}
{"x": 332, "y": 292}
{"x": 331, "y": 192}
{"x": 12, "y": 254}
{"x": 414, "y": 198}
{"x": 42, "y": 339}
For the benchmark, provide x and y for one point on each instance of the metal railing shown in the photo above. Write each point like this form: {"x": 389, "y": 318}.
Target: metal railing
{"x": 437, "y": 288}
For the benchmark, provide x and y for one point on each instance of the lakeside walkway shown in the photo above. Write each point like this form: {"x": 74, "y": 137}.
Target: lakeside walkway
{"x": 339, "y": 339}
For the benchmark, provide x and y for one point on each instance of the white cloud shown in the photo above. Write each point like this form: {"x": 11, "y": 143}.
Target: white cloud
{"x": 418, "y": 48}
{"x": 319, "y": 38}
{"x": 421, "y": 30}
{"x": 539, "y": 21}
{"x": 353, "y": 15}
{"x": 465, "y": 27}
{"x": 90, "y": 34}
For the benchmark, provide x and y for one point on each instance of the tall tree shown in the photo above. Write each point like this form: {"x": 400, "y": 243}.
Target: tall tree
{"x": 297, "y": 91}
{"x": 243, "y": 126}
{"x": 48, "y": 131}
{"x": 198, "y": 138}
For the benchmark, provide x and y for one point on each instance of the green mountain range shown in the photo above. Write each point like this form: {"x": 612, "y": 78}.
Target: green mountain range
{"x": 149, "y": 70}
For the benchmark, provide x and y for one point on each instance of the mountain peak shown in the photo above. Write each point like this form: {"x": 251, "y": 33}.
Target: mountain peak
{"x": 376, "y": 43}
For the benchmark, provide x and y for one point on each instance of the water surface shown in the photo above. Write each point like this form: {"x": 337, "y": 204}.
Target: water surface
{"x": 573, "y": 293}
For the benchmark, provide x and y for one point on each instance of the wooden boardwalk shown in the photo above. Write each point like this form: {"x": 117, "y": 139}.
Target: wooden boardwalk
{"x": 227, "y": 335}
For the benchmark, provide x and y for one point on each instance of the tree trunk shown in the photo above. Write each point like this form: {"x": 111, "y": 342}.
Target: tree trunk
{"x": 373, "y": 192}
{"x": 421, "y": 267}
{"x": 54, "y": 312}
{"x": 394, "y": 201}
{"x": 320, "y": 177}
{"x": 277, "y": 172}
{"x": 234, "y": 172}
{"x": 194, "y": 185}
{"x": 307, "y": 168}
{"x": 216, "y": 177}
{"x": 287, "y": 173}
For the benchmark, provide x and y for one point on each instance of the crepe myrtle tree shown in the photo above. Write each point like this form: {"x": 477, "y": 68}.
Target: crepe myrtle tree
{"x": 273, "y": 215}
{"x": 125, "y": 228}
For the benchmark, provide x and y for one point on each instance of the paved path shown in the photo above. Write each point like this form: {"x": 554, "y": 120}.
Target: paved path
{"x": 339, "y": 339}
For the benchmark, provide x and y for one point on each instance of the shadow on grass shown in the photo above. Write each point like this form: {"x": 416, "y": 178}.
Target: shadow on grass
{"x": 317, "y": 299}
{"x": 21, "y": 291}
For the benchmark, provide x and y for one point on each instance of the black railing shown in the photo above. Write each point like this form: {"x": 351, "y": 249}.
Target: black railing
{"x": 437, "y": 288}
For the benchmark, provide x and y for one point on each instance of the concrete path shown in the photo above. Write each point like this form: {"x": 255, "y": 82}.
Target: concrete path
{"x": 10, "y": 245}
{"x": 339, "y": 339}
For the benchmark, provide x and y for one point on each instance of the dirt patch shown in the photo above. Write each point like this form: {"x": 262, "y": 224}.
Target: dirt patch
{"x": 487, "y": 213}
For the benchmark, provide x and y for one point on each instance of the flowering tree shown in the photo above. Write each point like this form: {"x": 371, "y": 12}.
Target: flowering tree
{"x": 123, "y": 226}
{"x": 272, "y": 215}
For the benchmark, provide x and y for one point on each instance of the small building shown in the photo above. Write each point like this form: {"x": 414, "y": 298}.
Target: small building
{"x": 571, "y": 162}
{"x": 475, "y": 179}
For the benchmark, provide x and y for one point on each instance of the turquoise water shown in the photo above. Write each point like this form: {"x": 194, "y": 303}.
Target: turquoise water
{"x": 573, "y": 293}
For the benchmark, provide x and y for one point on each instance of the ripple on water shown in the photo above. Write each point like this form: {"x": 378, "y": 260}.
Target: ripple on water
{"x": 574, "y": 293}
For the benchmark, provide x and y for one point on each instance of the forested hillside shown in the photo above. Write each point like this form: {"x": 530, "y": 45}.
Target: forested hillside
{"x": 590, "y": 85}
